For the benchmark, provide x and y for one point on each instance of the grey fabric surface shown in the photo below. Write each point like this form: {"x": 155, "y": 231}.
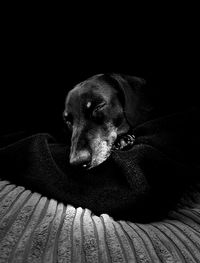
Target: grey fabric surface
{"x": 35, "y": 229}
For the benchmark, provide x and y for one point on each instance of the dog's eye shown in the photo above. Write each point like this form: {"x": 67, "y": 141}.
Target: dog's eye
{"x": 97, "y": 113}
{"x": 99, "y": 107}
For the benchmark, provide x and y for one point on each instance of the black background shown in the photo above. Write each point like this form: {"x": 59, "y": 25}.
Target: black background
{"x": 45, "y": 53}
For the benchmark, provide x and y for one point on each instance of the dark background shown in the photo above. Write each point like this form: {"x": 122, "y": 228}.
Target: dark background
{"x": 43, "y": 55}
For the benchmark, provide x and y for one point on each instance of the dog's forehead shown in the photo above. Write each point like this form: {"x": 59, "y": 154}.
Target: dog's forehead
{"x": 88, "y": 92}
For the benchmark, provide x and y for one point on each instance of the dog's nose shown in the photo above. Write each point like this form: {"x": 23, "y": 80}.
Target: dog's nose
{"x": 81, "y": 159}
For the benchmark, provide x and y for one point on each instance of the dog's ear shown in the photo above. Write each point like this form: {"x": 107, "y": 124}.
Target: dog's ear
{"x": 132, "y": 95}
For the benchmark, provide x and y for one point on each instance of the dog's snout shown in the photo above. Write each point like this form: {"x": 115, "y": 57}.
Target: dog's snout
{"x": 81, "y": 159}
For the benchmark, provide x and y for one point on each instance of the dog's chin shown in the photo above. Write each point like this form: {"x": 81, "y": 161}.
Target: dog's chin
{"x": 98, "y": 160}
{"x": 122, "y": 143}
{"x": 97, "y": 164}
{"x": 93, "y": 166}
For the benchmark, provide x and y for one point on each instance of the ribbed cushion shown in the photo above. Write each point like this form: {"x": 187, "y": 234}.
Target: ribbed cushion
{"x": 35, "y": 229}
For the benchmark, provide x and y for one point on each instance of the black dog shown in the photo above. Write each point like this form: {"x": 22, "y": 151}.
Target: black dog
{"x": 100, "y": 113}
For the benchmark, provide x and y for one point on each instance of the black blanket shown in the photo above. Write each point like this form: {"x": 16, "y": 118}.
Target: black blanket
{"x": 142, "y": 183}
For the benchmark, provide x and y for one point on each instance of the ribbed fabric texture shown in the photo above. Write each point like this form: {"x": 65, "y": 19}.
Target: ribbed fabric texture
{"x": 36, "y": 229}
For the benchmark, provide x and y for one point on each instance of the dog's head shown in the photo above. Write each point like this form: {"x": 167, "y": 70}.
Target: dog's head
{"x": 97, "y": 112}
